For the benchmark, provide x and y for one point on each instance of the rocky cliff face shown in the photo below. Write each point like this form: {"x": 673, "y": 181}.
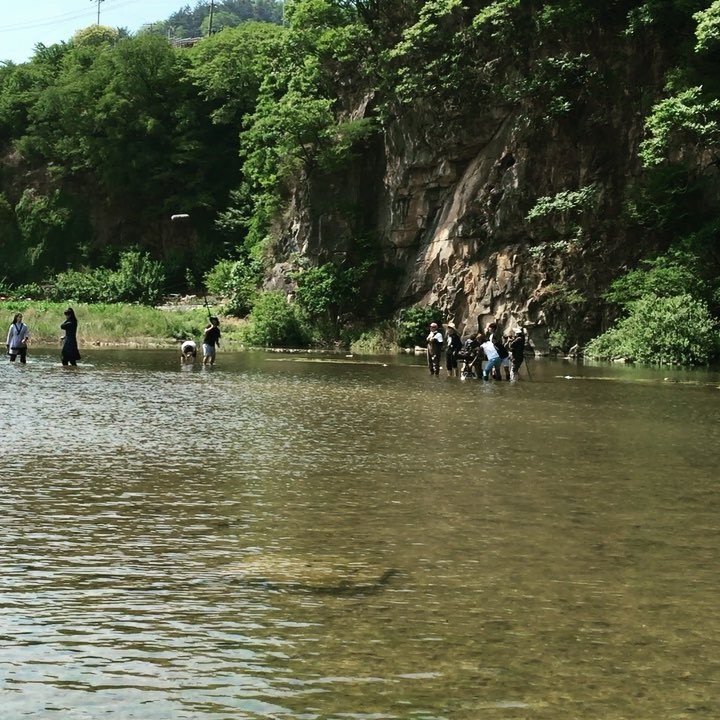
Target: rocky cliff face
{"x": 452, "y": 212}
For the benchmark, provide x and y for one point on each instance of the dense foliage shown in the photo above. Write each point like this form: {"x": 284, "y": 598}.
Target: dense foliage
{"x": 105, "y": 137}
{"x": 666, "y": 330}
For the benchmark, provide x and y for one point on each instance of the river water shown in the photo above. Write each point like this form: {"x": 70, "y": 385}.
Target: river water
{"x": 301, "y": 536}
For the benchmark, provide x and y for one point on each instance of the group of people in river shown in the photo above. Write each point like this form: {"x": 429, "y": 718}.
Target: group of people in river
{"x": 489, "y": 354}
{"x": 501, "y": 353}
{"x": 18, "y": 339}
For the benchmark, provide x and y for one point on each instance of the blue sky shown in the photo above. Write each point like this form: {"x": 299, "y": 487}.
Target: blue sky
{"x": 24, "y": 23}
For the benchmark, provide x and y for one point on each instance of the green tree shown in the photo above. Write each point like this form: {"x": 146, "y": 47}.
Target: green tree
{"x": 273, "y": 322}
{"x": 227, "y": 70}
{"x": 662, "y": 330}
{"x": 413, "y": 324}
{"x": 12, "y": 247}
{"x": 674, "y": 273}
{"x": 237, "y": 281}
{"x": 294, "y": 130}
{"x": 43, "y": 221}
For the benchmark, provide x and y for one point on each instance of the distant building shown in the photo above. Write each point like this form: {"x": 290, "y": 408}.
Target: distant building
{"x": 185, "y": 42}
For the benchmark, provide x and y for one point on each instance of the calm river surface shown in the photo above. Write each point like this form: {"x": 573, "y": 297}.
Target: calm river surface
{"x": 292, "y": 536}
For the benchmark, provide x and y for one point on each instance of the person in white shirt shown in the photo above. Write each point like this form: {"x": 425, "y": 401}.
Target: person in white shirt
{"x": 17, "y": 339}
{"x": 188, "y": 352}
{"x": 493, "y": 358}
{"x": 434, "y": 348}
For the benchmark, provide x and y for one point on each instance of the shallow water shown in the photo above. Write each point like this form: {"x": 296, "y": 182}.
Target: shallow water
{"x": 293, "y": 536}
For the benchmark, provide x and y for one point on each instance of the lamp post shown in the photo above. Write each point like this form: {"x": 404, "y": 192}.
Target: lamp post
{"x": 212, "y": 11}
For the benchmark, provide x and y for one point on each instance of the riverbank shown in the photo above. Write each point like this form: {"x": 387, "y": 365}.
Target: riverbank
{"x": 118, "y": 325}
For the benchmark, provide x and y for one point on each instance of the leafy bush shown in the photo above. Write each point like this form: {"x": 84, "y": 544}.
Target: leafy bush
{"x": 674, "y": 330}
{"x": 708, "y": 28}
{"x": 237, "y": 281}
{"x": 565, "y": 202}
{"x": 138, "y": 278}
{"x": 413, "y": 325}
{"x": 91, "y": 286}
{"x": 328, "y": 295}
{"x": 565, "y": 214}
{"x": 217, "y": 279}
{"x": 672, "y": 274}
{"x": 273, "y": 322}
{"x": 690, "y": 118}
{"x": 378, "y": 341}
{"x": 22, "y": 292}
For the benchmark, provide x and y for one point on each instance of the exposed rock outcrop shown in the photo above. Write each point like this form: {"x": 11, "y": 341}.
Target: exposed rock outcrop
{"x": 451, "y": 212}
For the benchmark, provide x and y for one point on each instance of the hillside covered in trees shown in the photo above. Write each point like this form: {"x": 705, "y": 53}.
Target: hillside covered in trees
{"x": 551, "y": 164}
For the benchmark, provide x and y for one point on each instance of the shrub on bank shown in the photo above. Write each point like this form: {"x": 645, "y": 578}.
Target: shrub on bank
{"x": 666, "y": 330}
{"x": 274, "y": 322}
{"x": 377, "y": 341}
{"x": 137, "y": 278}
{"x": 413, "y": 324}
{"x": 237, "y": 281}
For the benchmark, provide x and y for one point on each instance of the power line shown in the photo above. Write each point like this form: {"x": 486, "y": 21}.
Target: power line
{"x": 65, "y": 17}
{"x": 30, "y": 25}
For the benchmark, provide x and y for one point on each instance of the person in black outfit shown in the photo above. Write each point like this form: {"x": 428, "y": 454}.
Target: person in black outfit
{"x": 211, "y": 340}
{"x": 470, "y": 357}
{"x": 504, "y": 353}
{"x": 517, "y": 353}
{"x": 69, "y": 353}
{"x": 452, "y": 348}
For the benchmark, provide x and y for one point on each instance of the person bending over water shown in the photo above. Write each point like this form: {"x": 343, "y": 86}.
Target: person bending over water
{"x": 188, "y": 352}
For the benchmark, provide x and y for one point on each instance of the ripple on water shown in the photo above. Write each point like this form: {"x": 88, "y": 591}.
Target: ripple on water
{"x": 212, "y": 544}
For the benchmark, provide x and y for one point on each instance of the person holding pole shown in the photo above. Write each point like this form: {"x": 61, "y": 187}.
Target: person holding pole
{"x": 211, "y": 340}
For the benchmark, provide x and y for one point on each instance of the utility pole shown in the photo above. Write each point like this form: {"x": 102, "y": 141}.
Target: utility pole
{"x": 99, "y": 2}
{"x": 212, "y": 11}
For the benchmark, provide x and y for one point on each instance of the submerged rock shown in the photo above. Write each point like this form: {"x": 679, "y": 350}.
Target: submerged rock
{"x": 321, "y": 575}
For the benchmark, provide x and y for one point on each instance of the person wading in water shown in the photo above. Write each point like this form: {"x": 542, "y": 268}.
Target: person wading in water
{"x": 17, "y": 339}
{"x": 69, "y": 354}
{"x": 211, "y": 341}
{"x": 434, "y": 348}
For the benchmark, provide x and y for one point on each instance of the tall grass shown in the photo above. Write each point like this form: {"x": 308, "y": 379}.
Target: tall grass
{"x": 112, "y": 324}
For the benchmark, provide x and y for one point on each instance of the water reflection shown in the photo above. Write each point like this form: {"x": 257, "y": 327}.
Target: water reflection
{"x": 285, "y": 536}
